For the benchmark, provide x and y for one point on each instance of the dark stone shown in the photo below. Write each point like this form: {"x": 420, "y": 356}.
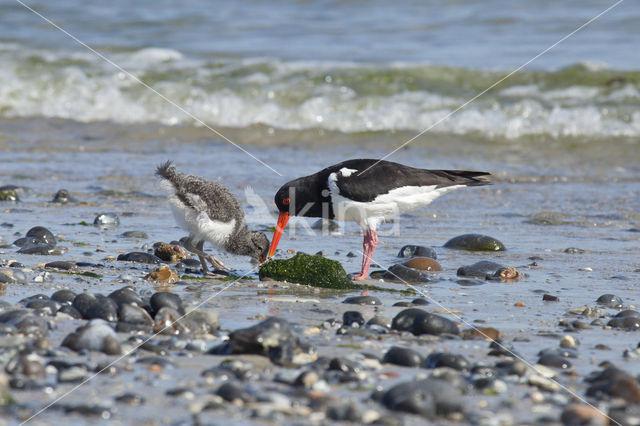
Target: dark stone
{"x": 156, "y": 360}
{"x": 624, "y": 323}
{"x": 39, "y": 249}
{"x": 27, "y": 241}
{"x": 400, "y": 272}
{"x": 417, "y": 251}
{"x": 574, "y": 250}
{"x": 138, "y": 235}
{"x": 25, "y": 322}
{"x": 402, "y": 356}
{"x": 474, "y": 242}
{"x": 419, "y": 322}
{"x": 126, "y": 295}
{"x": 97, "y": 335}
{"x": 628, "y": 313}
{"x": 164, "y": 299}
{"x": 93, "y": 306}
{"x": 132, "y": 399}
{"x": 362, "y": 300}
{"x": 555, "y": 361}
{"x": 428, "y": 398}
{"x": 6, "y": 279}
{"x": 349, "y": 318}
{"x": 344, "y": 412}
{"x": 62, "y": 265}
{"x": 615, "y": 383}
{"x": 550, "y": 298}
{"x": 63, "y": 296}
{"x": 71, "y": 311}
{"x": 479, "y": 269}
{"x": 134, "y": 315}
{"x": 140, "y": 257}
{"x": 42, "y": 234}
{"x": 106, "y": 220}
{"x": 380, "y": 321}
{"x": 48, "y": 307}
{"x": 446, "y": 359}
{"x": 420, "y": 301}
{"x": 63, "y": 196}
{"x": 125, "y": 327}
{"x": 231, "y": 392}
{"x": 610, "y": 301}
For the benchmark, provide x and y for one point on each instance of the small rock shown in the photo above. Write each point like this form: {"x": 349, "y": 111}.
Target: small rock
{"x": 138, "y": 235}
{"x": 569, "y": 342}
{"x": 140, "y": 257}
{"x": 362, "y": 300}
{"x": 610, "y": 301}
{"x": 474, "y": 242}
{"x": 326, "y": 226}
{"x": 417, "y": 251}
{"x": 402, "y": 356}
{"x": 428, "y": 397}
{"x": 42, "y": 234}
{"x": 95, "y": 336}
{"x": 107, "y": 220}
{"x": 170, "y": 253}
{"x": 582, "y": 414}
{"x": 381, "y": 321}
{"x": 481, "y": 333}
{"x": 349, "y": 318}
{"x": 479, "y": 269}
{"x": 133, "y": 314}
{"x": 169, "y": 321}
{"x": 419, "y": 322}
{"x": 61, "y": 265}
{"x": 400, "y": 272}
{"x": 126, "y": 295}
{"x": 505, "y": 274}
{"x": 163, "y": 299}
{"x": 550, "y": 298}
{"x": 555, "y": 361}
{"x": 163, "y": 275}
{"x": 423, "y": 264}
{"x": 446, "y": 359}
{"x": 631, "y": 323}
{"x": 63, "y": 197}
{"x": 38, "y": 249}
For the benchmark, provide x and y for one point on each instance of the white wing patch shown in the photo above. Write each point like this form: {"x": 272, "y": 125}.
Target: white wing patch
{"x": 196, "y": 221}
{"x": 346, "y": 172}
{"x": 371, "y": 214}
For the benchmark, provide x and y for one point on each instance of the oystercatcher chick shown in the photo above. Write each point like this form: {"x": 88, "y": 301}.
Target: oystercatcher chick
{"x": 209, "y": 212}
{"x": 367, "y": 192}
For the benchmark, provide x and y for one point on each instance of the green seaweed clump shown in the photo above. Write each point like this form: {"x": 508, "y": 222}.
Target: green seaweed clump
{"x": 316, "y": 271}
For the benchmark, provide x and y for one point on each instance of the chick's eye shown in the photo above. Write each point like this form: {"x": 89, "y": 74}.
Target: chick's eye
{"x": 286, "y": 201}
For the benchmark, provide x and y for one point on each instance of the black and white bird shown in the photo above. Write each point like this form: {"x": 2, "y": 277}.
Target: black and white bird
{"x": 367, "y": 192}
{"x": 209, "y": 212}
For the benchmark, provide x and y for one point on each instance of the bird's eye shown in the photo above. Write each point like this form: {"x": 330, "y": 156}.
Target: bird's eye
{"x": 286, "y": 201}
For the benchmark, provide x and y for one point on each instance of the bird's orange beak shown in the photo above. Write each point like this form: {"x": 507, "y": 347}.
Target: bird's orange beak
{"x": 283, "y": 218}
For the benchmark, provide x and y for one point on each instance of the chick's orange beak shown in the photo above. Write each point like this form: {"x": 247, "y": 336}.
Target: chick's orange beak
{"x": 283, "y": 218}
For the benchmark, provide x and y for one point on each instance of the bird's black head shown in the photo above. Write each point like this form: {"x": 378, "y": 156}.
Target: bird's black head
{"x": 304, "y": 197}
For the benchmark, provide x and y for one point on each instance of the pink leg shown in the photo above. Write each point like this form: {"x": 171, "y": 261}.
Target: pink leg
{"x": 369, "y": 246}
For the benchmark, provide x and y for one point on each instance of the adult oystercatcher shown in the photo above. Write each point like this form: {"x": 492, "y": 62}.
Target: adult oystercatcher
{"x": 209, "y": 212}
{"x": 367, "y": 192}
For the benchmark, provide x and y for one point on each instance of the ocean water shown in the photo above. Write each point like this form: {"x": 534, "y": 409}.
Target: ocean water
{"x": 351, "y": 67}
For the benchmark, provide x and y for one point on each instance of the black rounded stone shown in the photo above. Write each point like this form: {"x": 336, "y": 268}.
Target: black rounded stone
{"x": 126, "y": 295}
{"x": 400, "y": 272}
{"x": 628, "y": 313}
{"x": 140, "y": 257}
{"x": 610, "y": 301}
{"x": 48, "y": 307}
{"x": 38, "y": 249}
{"x": 554, "y": 361}
{"x": 61, "y": 265}
{"x": 27, "y": 241}
{"x": 71, "y": 311}
{"x": 63, "y": 296}
{"x": 474, "y": 242}
{"x": 630, "y": 322}
{"x": 62, "y": 197}
{"x": 428, "y": 397}
{"x": 402, "y": 356}
{"x": 479, "y": 269}
{"x": 362, "y": 300}
{"x": 134, "y": 315}
{"x": 417, "y": 251}
{"x": 352, "y": 317}
{"x": 42, "y": 234}
{"x": 446, "y": 359}
{"x": 164, "y": 299}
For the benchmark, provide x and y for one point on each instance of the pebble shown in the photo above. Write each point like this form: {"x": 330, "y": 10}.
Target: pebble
{"x": 550, "y": 298}
{"x": 628, "y": 313}
{"x": 205, "y": 321}
{"x": 474, "y": 242}
{"x": 423, "y": 264}
{"x": 70, "y": 311}
{"x": 41, "y": 234}
{"x": 126, "y": 295}
{"x": 106, "y": 220}
{"x": 419, "y": 322}
{"x": 63, "y": 296}
{"x": 130, "y": 398}
{"x": 417, "y": 251}
{"x": 26, "y": 241}
{"x": 93, "y": 306}
{"x": 481, "y": 333}
{"x": 326, "y": 226}
{"x": 569, "y": 342}
{"x": 352, "y": 318}
{"x": 25, "y": 322}
{"x": 446, "y": 359}
{"x": 574, "y": 250}
{"x": 625, "y": 323}
{"x": 38, "y": 249}
{"x": 169, "y": 321}
{"x": 479, "y": 269}
{"x": 428, "y": 398}
{"x": 272, "y": 337}
{"x": 402, "y": 356}
{"x": 582, "y": 414}
{"x": 614, "y": 382}
{"x": 399, "y": 272}
{"x": 362, "y": 300}
{"x": 97, "y": 335}
{"x": 63, "y": 197}
{"x": 140, "y": 257}
{"x": 61, "y": 265}
{"x": 165, "y": 299}
{"x": 133, "y": 314}
{"x": 47, "y": 307}
{"x": 555, "y": 361}
{"x": 610, "y": 301}
{"x": 139, "y": 235}
{"x": 380, "y": 321}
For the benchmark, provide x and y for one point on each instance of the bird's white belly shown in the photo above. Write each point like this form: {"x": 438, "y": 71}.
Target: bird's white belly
{"x": 385, "y": 206}
{"x": 199, "y": 224}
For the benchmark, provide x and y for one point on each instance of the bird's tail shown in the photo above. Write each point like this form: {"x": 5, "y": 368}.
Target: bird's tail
{"x": 167, "y": 171}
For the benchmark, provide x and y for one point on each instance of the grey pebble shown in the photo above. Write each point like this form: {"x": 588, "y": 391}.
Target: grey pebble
{"x": 402, "y": 356}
